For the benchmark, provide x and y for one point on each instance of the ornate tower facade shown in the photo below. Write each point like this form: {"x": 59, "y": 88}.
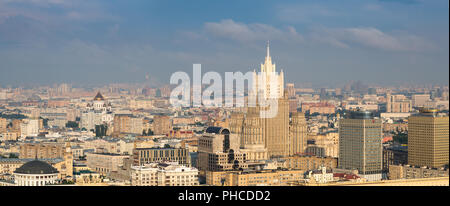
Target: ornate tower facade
{"x": 268, "y": 81}
{"x": 297, "y": 133}
{"x": 252, "y": 141}
{"x": 261, "y": 137}
{"x": 276, "y": 130}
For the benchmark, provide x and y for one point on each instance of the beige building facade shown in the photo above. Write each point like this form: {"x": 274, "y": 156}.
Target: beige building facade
{"x": 254, "y": 178}
{"x": 158, "y": 174}
{"x": 428, "y": 137}
{"x": 219, "y": 150}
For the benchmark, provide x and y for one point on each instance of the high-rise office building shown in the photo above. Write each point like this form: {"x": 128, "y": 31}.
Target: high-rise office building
{"x": 428, "y": 139}
{"x": 360, "y": 145}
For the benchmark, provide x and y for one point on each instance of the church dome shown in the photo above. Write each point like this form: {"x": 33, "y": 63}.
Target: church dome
{"x": 99, "y": 97}
{"x": 36, "y": 167}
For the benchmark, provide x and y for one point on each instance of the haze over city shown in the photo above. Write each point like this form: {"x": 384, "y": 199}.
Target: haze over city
{"x": 324, "y": 43}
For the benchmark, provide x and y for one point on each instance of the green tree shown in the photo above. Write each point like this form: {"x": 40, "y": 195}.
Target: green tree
{"x": 401, "y": 138}
{"x": 100, "y": 130}
{"x": 72, "y": 124}
{"x": 12, "y": 155}
{"x": 104, "y": 129}
{"x": 45, "y": 122}
{"x": 97, "y": 130}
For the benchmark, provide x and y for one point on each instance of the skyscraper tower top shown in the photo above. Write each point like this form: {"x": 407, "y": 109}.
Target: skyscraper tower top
{"x": 268, "y": 66}
{"x": 267, "y": 78}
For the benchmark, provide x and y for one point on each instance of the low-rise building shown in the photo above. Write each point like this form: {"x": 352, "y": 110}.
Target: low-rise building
{"x": 164, "y": 174}
{"x": 412, "y": 172}
{"x": 152, "y": 155}
{"x": 254, "y": 178}
{"x": 306, "y": 163}
{"x": 104, "y": 163}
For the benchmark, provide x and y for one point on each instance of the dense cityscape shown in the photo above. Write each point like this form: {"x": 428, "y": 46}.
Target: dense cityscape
{"x": 224, "y": 100}
{"x": 131, "y": 135}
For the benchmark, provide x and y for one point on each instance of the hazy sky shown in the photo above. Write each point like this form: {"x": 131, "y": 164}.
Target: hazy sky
{"x": 320, "y": 42}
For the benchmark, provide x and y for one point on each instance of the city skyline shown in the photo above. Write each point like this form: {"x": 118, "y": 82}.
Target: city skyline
{"x": 224, "y": 93}
{"x": 324, "y": 44}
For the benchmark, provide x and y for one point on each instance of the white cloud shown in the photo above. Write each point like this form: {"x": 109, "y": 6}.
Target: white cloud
{"x": 302, "y": 13}
{"x": 242, "y": 32}
{"x": 86, "y": 11}
{"x": 373, "y": 38}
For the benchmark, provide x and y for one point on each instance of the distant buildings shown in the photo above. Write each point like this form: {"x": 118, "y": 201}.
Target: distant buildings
{"x": 140, "y": 104}
{"x": 3, "y": 125}
{"x": 254, "y": 178}
{"x": 360, "y": 144}
{"x": 428, "y": 139}
{"x": 96, "y": 113}
{"x": 30, "y": 127}
{"x": 44, "y": 150}
{"x": 104, "y": 163}
{"x": 146, "y": 142}
{"x": 291, "y": 90}
{"x": 321, "y": 108}
{"x": 419, "y": 100}
{"x": 50, "y": 151}
{"x": 397, "y": 103}
{"x": 411, "y": 172}
{"x": 328, "y": 142}
{"x": 127, "y": 124}
{"x": 143, "y": 156}
{"x": 162, "y": 125}
{"x": 307, "y": 163}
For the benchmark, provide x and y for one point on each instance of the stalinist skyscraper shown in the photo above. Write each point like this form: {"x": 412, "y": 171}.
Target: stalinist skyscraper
{"x": 268, "y": 79}
{"x": 263, "y": 137}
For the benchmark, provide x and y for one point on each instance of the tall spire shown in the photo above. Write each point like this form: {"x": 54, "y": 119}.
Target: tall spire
{"x": 268, "y": 49}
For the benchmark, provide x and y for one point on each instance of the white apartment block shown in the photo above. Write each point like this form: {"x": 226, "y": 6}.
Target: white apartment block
{"x": 164, "y": 174}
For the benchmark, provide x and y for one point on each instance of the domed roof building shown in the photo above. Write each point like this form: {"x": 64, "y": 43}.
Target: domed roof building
{"x": 35, "y": 173}
{"x": 99, "y": 97}
{"x": 97, "y": 112}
